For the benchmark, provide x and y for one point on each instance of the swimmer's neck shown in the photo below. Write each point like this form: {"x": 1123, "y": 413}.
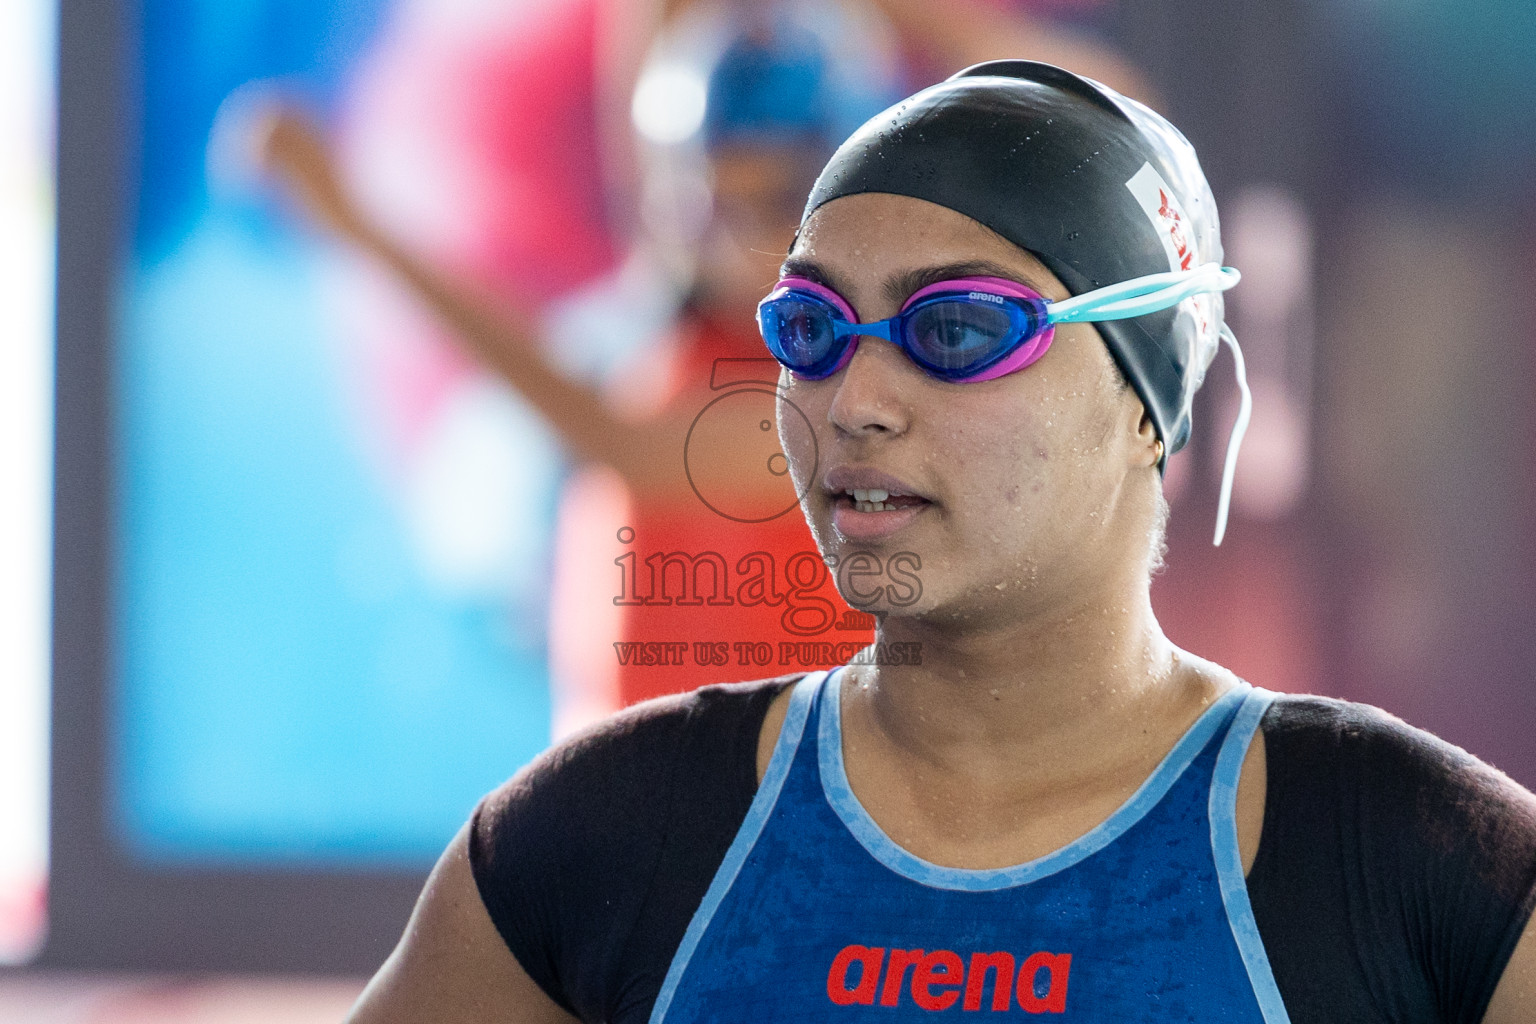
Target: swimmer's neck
{"x": 1063, "y": 685}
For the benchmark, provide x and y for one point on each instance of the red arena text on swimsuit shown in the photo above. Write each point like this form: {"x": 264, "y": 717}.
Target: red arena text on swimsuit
{"x": 941, "y": 978}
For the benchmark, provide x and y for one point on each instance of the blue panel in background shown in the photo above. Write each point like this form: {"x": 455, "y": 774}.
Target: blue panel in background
{"x": 290, "y": 689}
{"x": 193, "y": 53}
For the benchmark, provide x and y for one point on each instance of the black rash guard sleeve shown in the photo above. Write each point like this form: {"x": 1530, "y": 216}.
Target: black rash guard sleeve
{"x": 1395, "y": 872}
{"x": 1393, "y": 878}
{"x": 592, "y": 860}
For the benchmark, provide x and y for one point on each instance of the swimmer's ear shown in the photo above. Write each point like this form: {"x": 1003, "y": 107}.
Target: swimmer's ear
{"x": 1149, "y": 447}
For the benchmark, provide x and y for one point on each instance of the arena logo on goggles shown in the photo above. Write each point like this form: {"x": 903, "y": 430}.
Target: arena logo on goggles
{"x": 941, "y": 979}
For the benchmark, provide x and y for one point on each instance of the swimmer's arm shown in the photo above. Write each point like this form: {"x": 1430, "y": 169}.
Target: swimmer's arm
{"x": 293, "y": 149}
{"x": 966, "y": 32}
{"x": 1514, "y": 1001}
{"x": 451, "y": 966}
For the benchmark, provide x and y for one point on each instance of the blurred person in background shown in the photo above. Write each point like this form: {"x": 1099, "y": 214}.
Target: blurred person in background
{"x": 680, "y": 548}
{"x": 729, "y": 187}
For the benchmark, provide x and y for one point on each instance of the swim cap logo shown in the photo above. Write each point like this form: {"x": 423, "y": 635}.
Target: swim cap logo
{"x": 1158, "y": 202}
{"x": 1170, "y": 216}
{"x": 1171, "y": 224}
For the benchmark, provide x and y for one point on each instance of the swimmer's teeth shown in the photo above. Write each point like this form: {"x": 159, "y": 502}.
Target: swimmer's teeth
{"x": 871, "y": 500}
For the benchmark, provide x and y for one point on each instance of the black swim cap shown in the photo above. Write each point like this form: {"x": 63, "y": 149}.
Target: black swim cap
{"x": 1097, "y": 186}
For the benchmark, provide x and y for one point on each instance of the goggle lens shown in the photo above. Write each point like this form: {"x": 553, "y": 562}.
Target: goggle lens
{"x": 953, "y": 336}
{"x": 798, "y": 329}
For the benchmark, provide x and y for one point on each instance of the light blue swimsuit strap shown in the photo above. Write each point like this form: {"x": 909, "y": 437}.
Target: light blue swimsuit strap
{"x": 834, "y": 782}
{"x": 1229, "y": 858}
{"x": 746, "y": 837}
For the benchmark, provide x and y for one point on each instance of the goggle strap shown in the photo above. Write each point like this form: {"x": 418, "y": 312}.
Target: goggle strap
{"x": 1239, "y": 428}
{"x": 1137, "y": 286}
{"x": 1142, "y": 295}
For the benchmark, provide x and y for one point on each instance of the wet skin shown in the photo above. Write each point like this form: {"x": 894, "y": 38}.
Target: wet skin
{"x": 1047, "y": 692}
{"x": 1031, "y": 477}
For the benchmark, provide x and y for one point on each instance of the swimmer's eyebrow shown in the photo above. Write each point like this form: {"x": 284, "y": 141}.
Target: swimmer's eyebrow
{"x": 799, "y": 266}
{"x": 903, "y": 285}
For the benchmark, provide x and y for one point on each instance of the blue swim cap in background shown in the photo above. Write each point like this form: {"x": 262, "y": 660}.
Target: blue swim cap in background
{"x": 771, "y": 87}
{"x": 783, "y": 72}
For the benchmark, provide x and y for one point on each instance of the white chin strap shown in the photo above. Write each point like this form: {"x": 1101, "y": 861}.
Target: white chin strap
{"x": 1239, "y": 428}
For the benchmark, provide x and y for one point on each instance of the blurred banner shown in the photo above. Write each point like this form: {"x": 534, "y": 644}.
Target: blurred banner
{"x": 331, "y": 581}
{"x": 26, "y": 451}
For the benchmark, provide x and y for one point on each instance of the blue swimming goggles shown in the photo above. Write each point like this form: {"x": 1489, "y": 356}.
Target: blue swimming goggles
{"x": 963, "y": 330}
{"x": 979, "y": 328}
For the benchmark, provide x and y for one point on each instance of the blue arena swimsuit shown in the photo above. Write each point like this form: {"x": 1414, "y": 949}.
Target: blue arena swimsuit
{"x": 816, "y": 915}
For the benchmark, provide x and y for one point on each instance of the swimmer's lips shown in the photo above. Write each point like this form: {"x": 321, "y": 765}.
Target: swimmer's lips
{"x": 898, "y": 504}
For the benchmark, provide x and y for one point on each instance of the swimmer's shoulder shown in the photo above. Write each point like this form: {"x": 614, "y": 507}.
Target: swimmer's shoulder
{"x": 607, "y": 842}
{"x": 1322, "y": 743}
{"x": 622, "y": 772}
{"x": 1390, "y": 784}
{"x": 641, "y": 750}
{"x": 1401, "y": 860}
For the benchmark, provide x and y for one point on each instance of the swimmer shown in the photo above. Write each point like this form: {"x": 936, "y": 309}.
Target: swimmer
{"x": 1002, "y": 296}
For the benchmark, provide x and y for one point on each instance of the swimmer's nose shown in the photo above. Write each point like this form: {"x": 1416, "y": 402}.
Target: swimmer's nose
{"x": 869, "y": 397}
